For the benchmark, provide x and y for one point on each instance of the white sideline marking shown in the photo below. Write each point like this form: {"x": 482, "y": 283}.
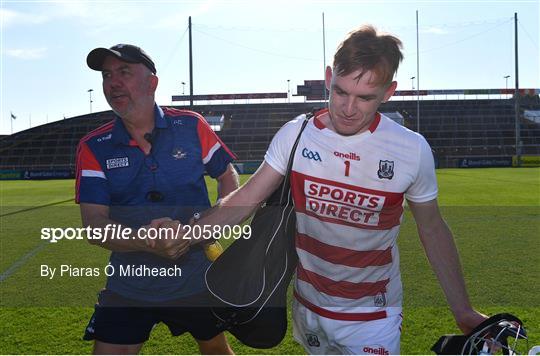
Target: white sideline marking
{"x": 33, "y": 252}
{"x": 21, "y": 261}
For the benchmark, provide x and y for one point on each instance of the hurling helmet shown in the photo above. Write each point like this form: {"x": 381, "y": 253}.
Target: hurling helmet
{"x": 501, "y": 333}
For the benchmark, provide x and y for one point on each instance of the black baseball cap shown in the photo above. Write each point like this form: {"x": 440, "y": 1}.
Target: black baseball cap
{"x": 124, "y": 52}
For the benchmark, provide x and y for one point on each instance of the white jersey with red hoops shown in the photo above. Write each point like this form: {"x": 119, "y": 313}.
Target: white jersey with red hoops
{"x": 348, "y": 193}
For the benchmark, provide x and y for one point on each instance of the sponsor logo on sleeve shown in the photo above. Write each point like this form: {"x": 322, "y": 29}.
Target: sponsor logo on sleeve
{"x": 104, "y": 138}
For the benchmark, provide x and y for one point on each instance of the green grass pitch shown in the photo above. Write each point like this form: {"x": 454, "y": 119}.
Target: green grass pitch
{"x": 493, "y": 213}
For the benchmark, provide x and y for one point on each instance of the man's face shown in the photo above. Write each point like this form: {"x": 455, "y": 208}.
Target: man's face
{"x": 353, "y": 102}
{"x": 127, "y": 86}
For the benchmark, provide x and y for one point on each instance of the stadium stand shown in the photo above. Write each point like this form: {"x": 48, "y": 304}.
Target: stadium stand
{"x": 456, "y": 129}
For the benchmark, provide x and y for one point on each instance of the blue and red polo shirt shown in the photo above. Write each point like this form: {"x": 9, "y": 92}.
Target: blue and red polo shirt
{"x": 112, "y": 170}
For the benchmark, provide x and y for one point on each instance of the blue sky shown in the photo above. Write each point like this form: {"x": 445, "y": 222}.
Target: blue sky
{"x": 248, "y": 46}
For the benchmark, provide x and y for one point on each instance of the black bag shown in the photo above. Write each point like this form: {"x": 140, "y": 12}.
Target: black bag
{"x": 249, "y": 280}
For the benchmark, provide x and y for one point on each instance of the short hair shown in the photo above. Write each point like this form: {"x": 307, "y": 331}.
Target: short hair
{"x": 366, "y": 50}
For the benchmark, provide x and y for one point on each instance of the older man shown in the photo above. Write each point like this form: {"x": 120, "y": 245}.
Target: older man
{"x": 148, "y": 165}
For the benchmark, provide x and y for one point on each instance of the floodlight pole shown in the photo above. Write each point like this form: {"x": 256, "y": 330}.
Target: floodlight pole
{"x": 516, "y": 94}
{"x": 506, "y": 87}
{"x": 190, "y": 67}
{"x": 324, "y": 56}
{"x": 288, "y": 90}
{"x": 417, "y": 77}
{"x": 90, "y": 98}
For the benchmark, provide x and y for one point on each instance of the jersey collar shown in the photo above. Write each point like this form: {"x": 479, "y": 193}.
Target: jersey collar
{"x": 319, "y": 124}
{"x": 120, "y": 135}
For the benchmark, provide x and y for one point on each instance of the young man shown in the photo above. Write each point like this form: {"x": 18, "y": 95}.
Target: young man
{"x": 352, "y": 171}
{"x": 142, "y": 168}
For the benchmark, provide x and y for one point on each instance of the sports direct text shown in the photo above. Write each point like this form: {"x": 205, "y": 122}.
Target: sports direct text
{"x": 329, "y": 201}
{"x": 117, "y": 232}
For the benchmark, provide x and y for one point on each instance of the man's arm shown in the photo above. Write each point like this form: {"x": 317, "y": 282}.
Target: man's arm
{"x": 97, "y": 216}
{"x": 241, "y": 203}
{"x": 227, "y": 182}
{"x": 442, "y": 254}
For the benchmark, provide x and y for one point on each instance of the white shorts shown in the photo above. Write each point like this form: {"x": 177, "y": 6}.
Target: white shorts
{"x": 320, "y": 335}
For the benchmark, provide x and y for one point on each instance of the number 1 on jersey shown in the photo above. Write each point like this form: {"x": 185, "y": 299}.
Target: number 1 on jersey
{"x": 347, "y": 168}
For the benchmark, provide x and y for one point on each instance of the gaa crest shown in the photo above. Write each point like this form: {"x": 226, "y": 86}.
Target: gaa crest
{"x": 177, "y": 153}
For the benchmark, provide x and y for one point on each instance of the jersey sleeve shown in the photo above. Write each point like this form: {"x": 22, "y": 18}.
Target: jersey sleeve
{"x": 91, "y": 183}
{"x": 277, "y": 155}
{"x": 216, "y": 156}
{"x": 424, "y": 187}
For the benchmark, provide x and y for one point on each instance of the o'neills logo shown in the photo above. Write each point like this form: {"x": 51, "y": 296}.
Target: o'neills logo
{"x": 376, "y": 351}
{"x": 353, "y": 156}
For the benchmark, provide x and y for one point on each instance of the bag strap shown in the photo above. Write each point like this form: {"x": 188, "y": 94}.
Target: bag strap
{"x": 286, "y": 180}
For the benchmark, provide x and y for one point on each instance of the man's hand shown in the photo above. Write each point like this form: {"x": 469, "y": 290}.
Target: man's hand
{"x": 170, "y": 242}
{"x": 468, "y": 320}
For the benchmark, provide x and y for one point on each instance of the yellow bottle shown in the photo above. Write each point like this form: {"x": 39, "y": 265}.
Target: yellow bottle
{"x": 213, "y": 250}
